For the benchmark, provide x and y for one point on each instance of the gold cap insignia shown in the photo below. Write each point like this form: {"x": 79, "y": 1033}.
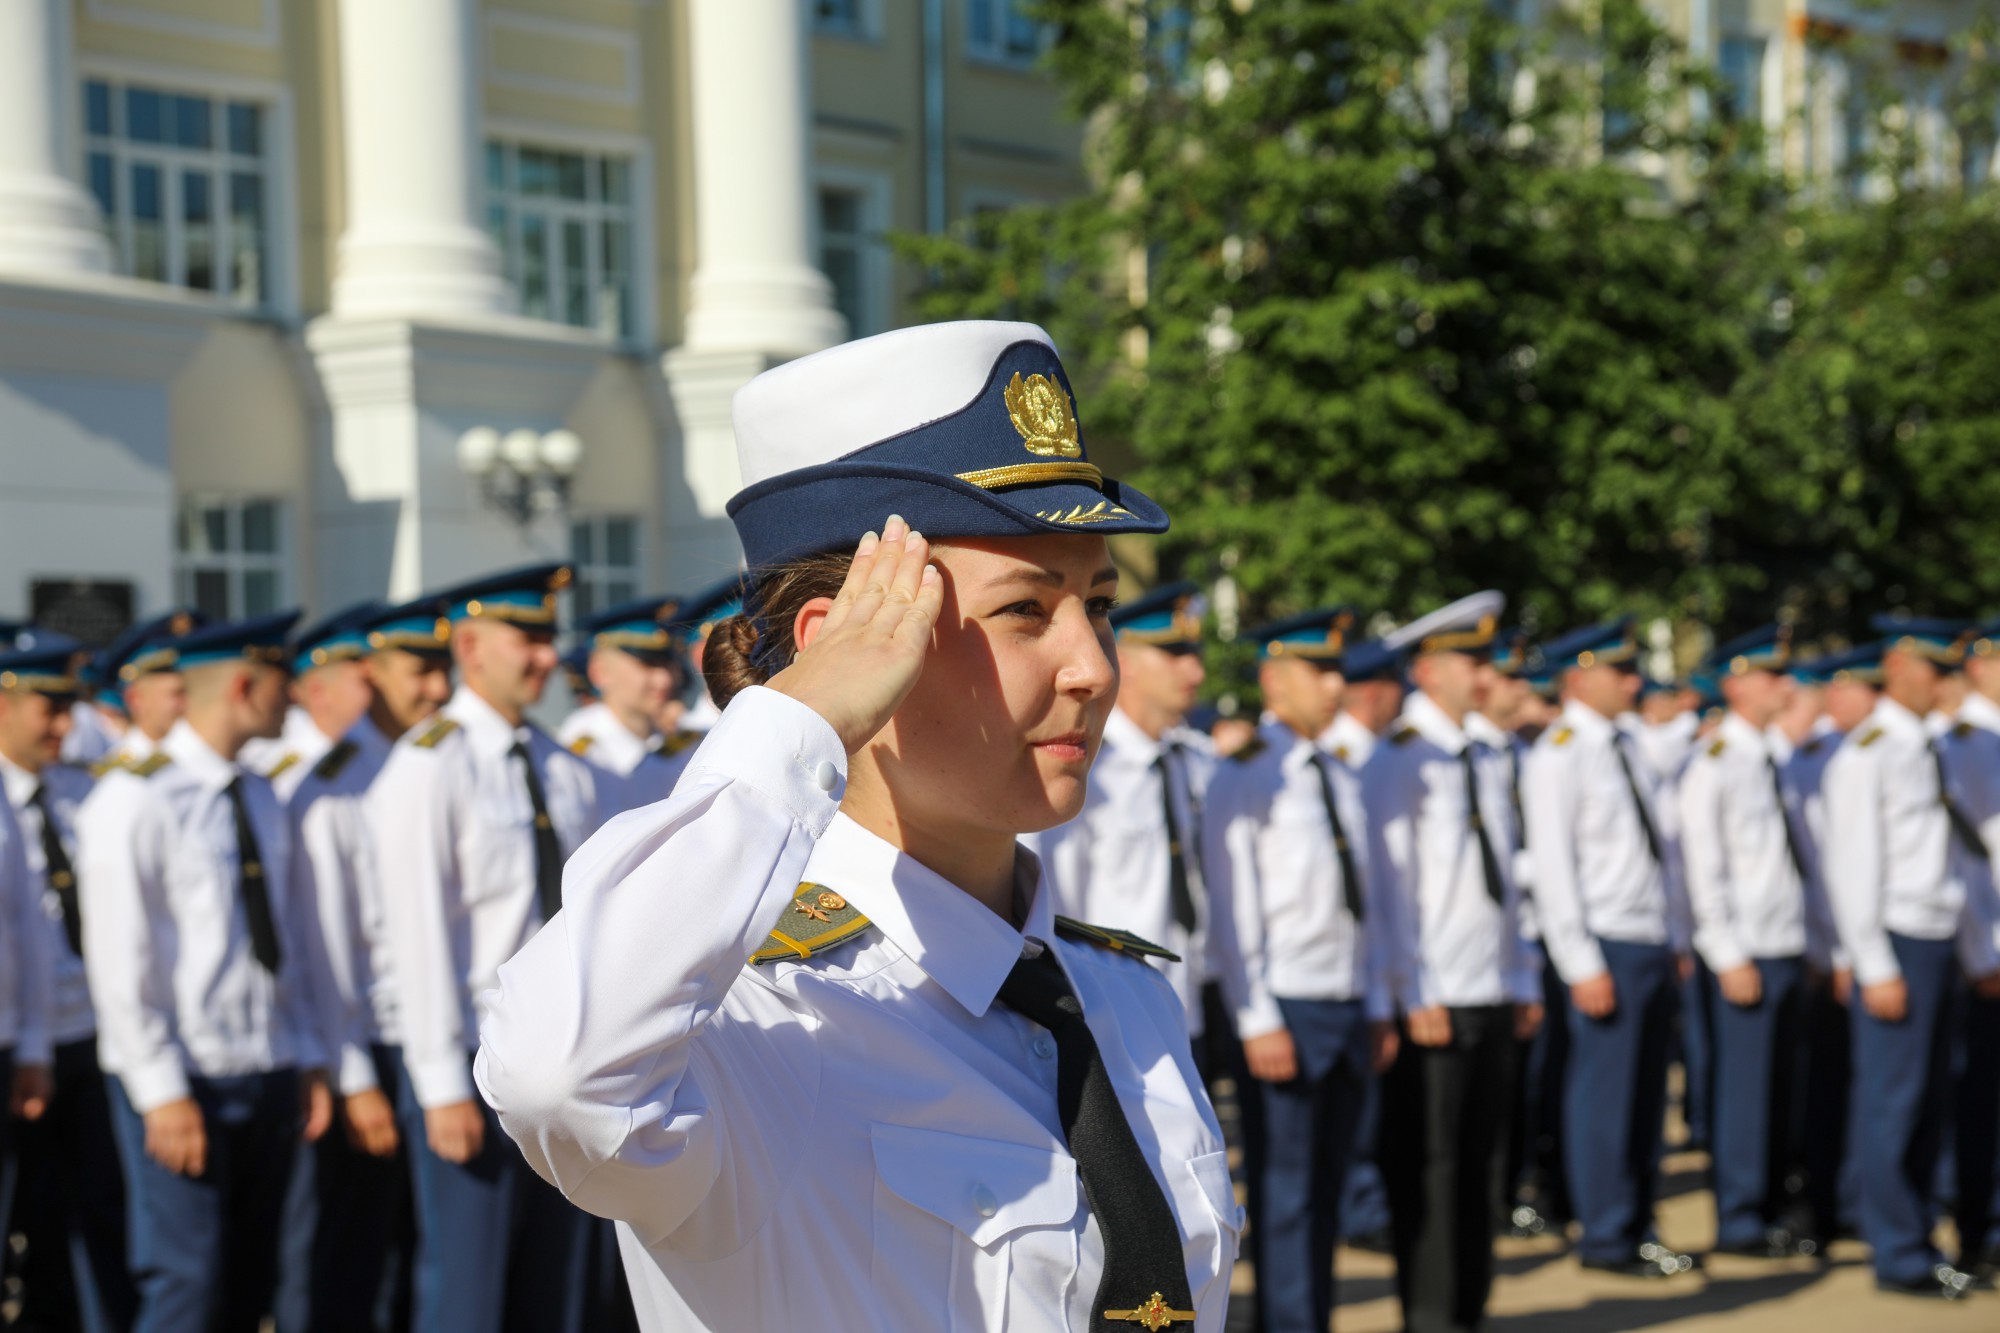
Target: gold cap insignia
{"x": 1042, "y": 412}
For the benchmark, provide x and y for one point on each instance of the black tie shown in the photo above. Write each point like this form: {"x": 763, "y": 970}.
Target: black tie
{"x": 61, "y": 874}
{"x": 548, "y": 851}
{"x": 1177, "y": 873}
{"x": 250, "y": 882}
{"x": 1143, "y": 1263}
{"x": 1961, "y": 824}
{"x": 1638, "y": 801}
{"x": 1514, "y": 795}
{"x": 1785, "y": 815}
{"x": 1350, "y": 882}
{"x": 1496, "y": 888}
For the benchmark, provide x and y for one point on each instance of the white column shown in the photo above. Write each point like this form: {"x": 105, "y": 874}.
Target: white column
{"x": 415, "y": 245}
{"x": 48, "y": 224}
{"x": 755, "y": 286}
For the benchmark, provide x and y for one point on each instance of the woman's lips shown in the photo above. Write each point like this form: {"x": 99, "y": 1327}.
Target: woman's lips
{"x": 1071, "y": 747}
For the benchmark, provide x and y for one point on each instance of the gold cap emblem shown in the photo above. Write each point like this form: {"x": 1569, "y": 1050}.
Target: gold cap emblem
{"x": 1042, "y": 412}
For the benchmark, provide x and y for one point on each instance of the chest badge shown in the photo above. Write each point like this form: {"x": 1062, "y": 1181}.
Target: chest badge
{"x": 1154, "y": 1315}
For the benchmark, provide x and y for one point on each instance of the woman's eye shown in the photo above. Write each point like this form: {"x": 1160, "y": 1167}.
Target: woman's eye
{"x": 1030, "y": 609}
{"x": 1102, "y": 606}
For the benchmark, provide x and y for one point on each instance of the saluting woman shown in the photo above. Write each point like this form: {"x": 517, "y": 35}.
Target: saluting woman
{"x": 808, "y": 1030}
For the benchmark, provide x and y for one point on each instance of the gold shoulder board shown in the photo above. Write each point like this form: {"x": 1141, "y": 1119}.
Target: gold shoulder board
{"x": 442, "y": 728}
{"x": 106, "y": 764}
{"x": 283, "y": 765}
{"x": 1563, "y": 736}
{"x": 581, "y": 745}
{"x": 817, "y": 920}
{"x": 330, "y": 764}
{"x": 1874, "y": 734}
{"x": 1715, "y": 750}
{"x": 1253, "y": 747}
{"x": 150, "y": 765}
{"x": 1962, "y": 730}
{"x": 680, "y": 742}
{"x": 1403, "y": 736}
{"x": 1118, "y": 941}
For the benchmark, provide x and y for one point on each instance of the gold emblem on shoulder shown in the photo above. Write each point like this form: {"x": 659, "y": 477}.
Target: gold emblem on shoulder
{"x": 1562, "y": 737}
{"x": 1715, "y": 750}
{"x": 440, "y": 729}
{"x": 1153, "y": 1316}
{"x": 283, "y": 766}
{"x": 818, "y": 920}
{"x": 1042, "y": 412}
{"x": 148, "y": 766}
{"x": 1404, "y": 736}
{"x": 581, "y": 745}
{"x": 1870, "y": 738}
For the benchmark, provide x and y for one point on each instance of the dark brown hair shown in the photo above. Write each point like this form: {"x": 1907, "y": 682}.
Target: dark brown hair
{"x": 756, "y": 644}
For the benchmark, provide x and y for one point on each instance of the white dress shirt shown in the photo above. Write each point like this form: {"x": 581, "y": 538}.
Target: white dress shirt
{"x": 1112, "y": 865}
{"x": 1891, "y": 862}
{"x": 166, "y": 941}
{"x": 333, "y": 846}
{"x": 1665, "y": 746}
{"x": 70, "y": 1016}
{"x": 1749, "y": 899}
{"x": 286, "y": 760}
{"x": 863, "y": 1139}
{"x": 643, "y": 773}
{"x": 1268, "y": 852}
{"x": 134, "y": 747}
{"x": 1595, "y": 876}
{"x": 90, "y": 737}
{"x": 1349, "y": 741}
{"x": 455, "y": 852}
{"x": 25, "y": 987}
{"x": 1454, "y": 945}
{"x": 1980, "y": 711}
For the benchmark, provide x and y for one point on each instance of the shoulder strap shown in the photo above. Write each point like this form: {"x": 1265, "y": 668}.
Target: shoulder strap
{"x": 150, "y": 765}
{"x": 817, "y": 920}
{"x": 336, "y": 759}
{"x": 1106, "y": 937}
{"x": 440, "y": 729}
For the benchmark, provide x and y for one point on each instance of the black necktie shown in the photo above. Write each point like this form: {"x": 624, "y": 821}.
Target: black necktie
{"x": 548, "y": 851}
{"x": 1489, "y": 864}
{"x": 1143, "y": 1264}
{"x": 1350, "y": 882}
{"x": 1638, "y": 800}
{"x": 61, "y": 874}
{"x": 250, "y": 882}
{"x": 1962, "y": 826}
{"x": 1785, "y": 815}
{"x": 1514, "y": 795}
{"x": 1177, "y": 873}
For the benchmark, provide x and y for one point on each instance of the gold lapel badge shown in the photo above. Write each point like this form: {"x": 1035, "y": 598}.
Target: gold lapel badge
{"x": 1153, "y": 1316}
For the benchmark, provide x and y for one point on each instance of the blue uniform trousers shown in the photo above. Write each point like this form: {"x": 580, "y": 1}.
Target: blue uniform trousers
{"x": 1698, "y": 1057}
{"x": 1901, "y": 1081}
{"x": 498, "y": 1248}
{"x": 1310, "y": 1125}
{"x": 1978, "y": 1184}
{"x": 1833, "y": 1177}
{"x": 70, "y": 1206}
{"x": 1756, "y": 1063}
{"x": 1616, "y": 1101}
{"x": 204, "y": 1249}
{"x": 1536, "y": 1171}
{"x": 1364, "y": 1202}
{"x": 343, "y": 1221}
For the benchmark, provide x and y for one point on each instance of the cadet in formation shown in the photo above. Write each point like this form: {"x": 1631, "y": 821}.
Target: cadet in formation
{"x": 633, "y": 667}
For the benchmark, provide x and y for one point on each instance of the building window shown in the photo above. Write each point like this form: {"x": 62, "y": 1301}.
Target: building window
{"x": 847, "y": 244}
{"x": 182, "y": 182}
{"x": 1740, "y": 61}
{"x": 232, "y": 556}
{"x": 605, "y": 551}
{"x": 845, "y": 18}
{"x": 564, "y": 223}
{"x": 1002, "y": 30}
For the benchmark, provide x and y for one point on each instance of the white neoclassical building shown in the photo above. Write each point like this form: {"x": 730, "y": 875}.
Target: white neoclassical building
{"x": 303, "y": 301}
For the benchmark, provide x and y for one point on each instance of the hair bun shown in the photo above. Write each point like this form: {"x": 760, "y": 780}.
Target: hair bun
{"x": 728, "y": 660}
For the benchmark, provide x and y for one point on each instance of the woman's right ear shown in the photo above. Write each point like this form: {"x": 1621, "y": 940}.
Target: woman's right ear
{"x": 806, "y": 624}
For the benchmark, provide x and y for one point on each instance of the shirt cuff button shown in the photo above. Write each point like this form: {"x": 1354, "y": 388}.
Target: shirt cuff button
{"x": 827, "y": 776}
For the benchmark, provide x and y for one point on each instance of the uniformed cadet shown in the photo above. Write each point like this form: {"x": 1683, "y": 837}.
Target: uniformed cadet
{"x": 1982, "y": 674}
{"x": 1441, "y": 842}
{"x": 71, "y": 1201}
{"x": 700, "y": 613}
{"x": 1131, "y": 855}
{"x": 1978, "y": 1212}
{"x": 201, "y": 959}
{"x": 1614, "y": 926}
{"x": 329, "y": 695}
{"x": 1286, "y": 852}
{"x": 575, "y": 665}
{"x": 928, "y": 1103}
{"x": 1899, "y": 859}
{"x": 136, "y": 675}
{"x": 343, "y": 1215}
{"x": 1759, "y": 926}
{"x": 472, "y": 818}
{"x": 632, "y": 669}
{"x": 26, "y": 990}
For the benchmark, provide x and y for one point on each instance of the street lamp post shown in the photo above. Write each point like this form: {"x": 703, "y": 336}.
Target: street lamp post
{"x": 523, "y": 473}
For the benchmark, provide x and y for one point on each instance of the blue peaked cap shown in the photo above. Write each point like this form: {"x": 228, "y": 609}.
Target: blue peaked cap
{"x": 1942, "y": 642}
{"x": 340, "y": 637}
{"x": 524, "y": 596}
{"x": 258, "y": 639}
{"x": 642, "y": 627}
{"x": 1319, "y": 635}
{"x": 142, "y": 649}
{"x": 1373, "y": 660}
{"x": 1611, "y": 643}
{"x": 1862, "y": 663}
{"x": 43, "y": 669}
{"x": 1766, "y": 648}
{"x": 702, "y": 611}
{"x": 1168, "y": 617}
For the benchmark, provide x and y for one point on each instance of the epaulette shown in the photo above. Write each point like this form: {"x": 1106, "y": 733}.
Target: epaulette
{"x": 1715, "y": 750}
{"x": 1874, "y": 734}
{"x": 106, "y": 764}
{"x": 440, "y": 729}
{"x": 680, "y": 743}
{"x": 1563, "y": 736}
{"x": 1811, "y": 746}
{"x": 1962, "y": 730}
{"x": 1118, "y": 941}
{"x": 581, "y": 745}
{"x": 819, "y": 919}
{"x": 1340, "y": 753}
{"x": 1403, "y": 736}
{"x": 330, "y": 764}
{"x": 283, "y": 765}
{"x": 1249, "y": 750}
{"x": 148, "y": 766}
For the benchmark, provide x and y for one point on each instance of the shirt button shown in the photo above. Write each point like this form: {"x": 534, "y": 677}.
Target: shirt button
{"x": 1044, "y": 1047}
{"x": 983, "y": 1201}
{"x": 827, "y": 776}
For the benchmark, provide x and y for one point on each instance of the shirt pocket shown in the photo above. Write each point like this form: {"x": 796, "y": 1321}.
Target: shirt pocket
{"x": 960, "y": 1222}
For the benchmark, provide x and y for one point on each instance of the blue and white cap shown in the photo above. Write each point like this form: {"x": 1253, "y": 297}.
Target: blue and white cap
{"x": 1468, "y": 625}
{"x": 1766, "y": 648}
{"x": 1319, "y": 636}
{"x": 340, "y": 637}
{"x": 416, "y": 626}
{"x": 642, "y": 627}
{"x": 259, "y": 639}
{"x": 701, "y": 612}
{"x": 1610, "y": 643}
{"x": 44, "y": 670}
{"x": 966, "y": 429}
{"x": 1860, "y": 665}
{"x": 525, "y": 597}
{"x": 1166, "y": 617}
{"x": 1941, "y": 642}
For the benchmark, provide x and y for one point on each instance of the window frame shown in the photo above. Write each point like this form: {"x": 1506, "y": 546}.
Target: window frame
{"x": 876, "y": 264}
{"x": 866, "y": 25}
{"x": 594, "y": 573}
{"x": 513, "y": 136}
{"x": 233, "y": 561}
{"x": 1000, "y": 55}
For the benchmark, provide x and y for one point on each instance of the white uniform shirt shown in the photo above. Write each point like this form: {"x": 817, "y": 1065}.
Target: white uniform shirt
{"x": 1348, "y": 741}
{"x": 91, "y": 737}
{"x": 644, "y": 774}
{"x": 1891, "y": 862}
{"x": 455, "y": 852}
{"x": 1268, "y": 852}
{"x": 863, "y": 1139}
{"x": 1454, "y": 945}
{"x": 1980, "y": 711}
{"x": 25, "y": 988}
{"x": 1112, "y": 865}
{"x": 1665, "y": 746}
{"x": 166, "y": 941}
{"x": 70, "y": 1015}
{"x": 134, "y": 747}
{"x": 334, "y": 858}
{"x": 1595, "y": 876}
{"x": 286, "y": 760}
{"x": 1749, "y": 900}
{"x": 1972, "y": 765}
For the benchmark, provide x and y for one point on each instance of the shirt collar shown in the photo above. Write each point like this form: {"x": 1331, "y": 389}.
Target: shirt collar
{"x": 1123, "y": 733}
{"x": 1582, "y": 718}
{"x": 1738, "y": 728}
{"x": 944, "y": 930}
{"x": 616, "y": 737}
{"x": 194, "y": 756}
{"x": 1346, "y": 731}
{"x": 1892, "y": 716}
{"x": 1431, "y": 723}
{"x": 1980, "y": 711}
{"x": 18, "y": 783}
{"x": 484, "y": 726}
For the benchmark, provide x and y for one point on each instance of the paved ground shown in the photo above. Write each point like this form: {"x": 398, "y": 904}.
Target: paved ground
{"x": 1541, "y": 1288}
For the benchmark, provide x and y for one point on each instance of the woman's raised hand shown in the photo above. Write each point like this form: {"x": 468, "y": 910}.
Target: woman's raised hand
{"x": 869, "y": 649}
